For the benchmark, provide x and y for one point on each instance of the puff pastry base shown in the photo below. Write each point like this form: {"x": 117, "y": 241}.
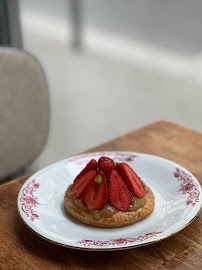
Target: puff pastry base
{"x": 119, "y": 219}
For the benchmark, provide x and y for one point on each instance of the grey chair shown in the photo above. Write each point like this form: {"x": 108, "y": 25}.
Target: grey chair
{"x": 24, "y": 110}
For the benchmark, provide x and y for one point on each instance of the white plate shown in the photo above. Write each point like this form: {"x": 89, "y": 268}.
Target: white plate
{"x": 177, "y": 194}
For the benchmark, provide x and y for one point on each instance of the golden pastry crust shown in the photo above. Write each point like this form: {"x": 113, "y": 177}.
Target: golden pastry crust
{"x": 118, "y": 219}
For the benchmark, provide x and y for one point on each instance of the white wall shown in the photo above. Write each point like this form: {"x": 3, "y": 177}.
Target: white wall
{"x": 173, "y": 25}
{"x": 130, "y": 72}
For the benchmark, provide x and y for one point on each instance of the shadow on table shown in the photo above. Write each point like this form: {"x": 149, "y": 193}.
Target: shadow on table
{"x": 44, "y": 250}
{"x": 152, "y": 255}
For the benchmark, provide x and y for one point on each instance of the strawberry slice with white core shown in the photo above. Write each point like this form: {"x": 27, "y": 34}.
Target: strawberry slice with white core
{"x": 95, "y": 194}
{"x": 81, "y": 183}
{"x": 92, "y": 165}
{"x": 132, "y": 180}
{"x": 119, "y": 195}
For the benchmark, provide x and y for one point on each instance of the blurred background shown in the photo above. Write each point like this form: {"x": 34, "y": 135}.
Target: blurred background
{"x": 113, "y": 66}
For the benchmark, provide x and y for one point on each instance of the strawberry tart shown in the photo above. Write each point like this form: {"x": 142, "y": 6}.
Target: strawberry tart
{"x": 108, "y": 194}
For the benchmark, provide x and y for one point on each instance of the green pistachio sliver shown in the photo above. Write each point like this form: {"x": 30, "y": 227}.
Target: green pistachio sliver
{"x": 98, "y": 179}
{"x": 117, "y": 163}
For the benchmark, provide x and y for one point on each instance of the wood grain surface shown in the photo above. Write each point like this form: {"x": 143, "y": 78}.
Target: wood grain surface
{"x": 22, "y": 249}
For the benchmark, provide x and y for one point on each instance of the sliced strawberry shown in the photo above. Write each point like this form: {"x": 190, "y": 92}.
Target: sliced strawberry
{"x": 81, "y": 183}
{"x": 92, "y": 165}
{"x": 106, "y": 167}
{"x": 132, "y": 180}
{"x": 95, "y": 194}
{"x": 103, "y": 158}
{"x": 119, "y": 195}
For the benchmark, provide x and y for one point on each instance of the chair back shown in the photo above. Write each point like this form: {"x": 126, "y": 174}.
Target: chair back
{"x": 24, "y": 110}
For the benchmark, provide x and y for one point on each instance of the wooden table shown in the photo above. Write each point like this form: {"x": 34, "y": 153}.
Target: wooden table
{"x": 22, "y": 249}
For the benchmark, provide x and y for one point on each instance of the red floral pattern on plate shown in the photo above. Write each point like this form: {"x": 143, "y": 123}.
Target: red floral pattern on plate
{"x": 122, "y": 157}
{"x": 188, "y": 186}
{"x": 119, "y": 242}
{"x": 29, "y": 201}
